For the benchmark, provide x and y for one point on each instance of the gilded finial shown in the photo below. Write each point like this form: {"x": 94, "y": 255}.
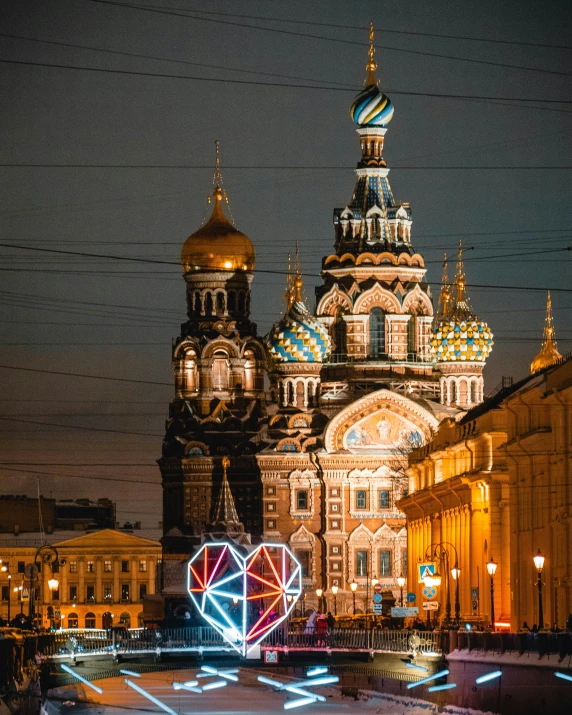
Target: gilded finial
{"x": 445, "y": 296}
{"x": 298, "y": 282}
{"x": 225, "y": 461}
{"x": 288, "y": 292}
{"x": 460, "y": 279}
{"x": 371, "y": 65}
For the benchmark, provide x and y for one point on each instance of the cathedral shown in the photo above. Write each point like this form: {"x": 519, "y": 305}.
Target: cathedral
{"x": 302, "y": 435}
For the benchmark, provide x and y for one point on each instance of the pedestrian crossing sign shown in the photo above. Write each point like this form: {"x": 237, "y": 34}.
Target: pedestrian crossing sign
{"x": 425, "y": 569}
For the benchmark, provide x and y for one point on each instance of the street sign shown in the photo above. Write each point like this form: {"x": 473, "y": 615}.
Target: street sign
{"x": 25, "y": 594}
{"x": 377, "y": 598}
{"x": 475, "y": 593}
{"x": 430, "y": 606}
{"x": 425, "y": 569}
{"x": 429, "y": 591}
{"x": 475, "y": 605}
{"x": 411, "y": 597}
{"x": 378, "y": 588}
{"x": 377, "y": 608}
{"x": 404, "y": 611}
{"x": 271, "y": 656}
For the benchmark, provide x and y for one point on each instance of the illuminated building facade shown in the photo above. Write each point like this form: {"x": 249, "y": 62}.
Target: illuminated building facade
{"x": 317, "y": 462}
{"x": 102, "y": 579}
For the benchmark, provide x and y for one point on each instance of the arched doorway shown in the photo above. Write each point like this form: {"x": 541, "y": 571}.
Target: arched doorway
{"x": 73, "y": 621}
{"x": 140, "y": 621}
{"x": 107, "y": 620}
{"x": 125, "y": 619}
{"x": 90, "y": 620}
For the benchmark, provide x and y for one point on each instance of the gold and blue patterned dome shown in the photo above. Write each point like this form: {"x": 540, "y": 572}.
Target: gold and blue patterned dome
{"x": 458, "y": 334}
{"x": 298, "y": 337}
{"x": 371, "y": 107}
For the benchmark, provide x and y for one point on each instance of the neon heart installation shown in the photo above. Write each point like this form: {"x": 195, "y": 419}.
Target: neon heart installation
{"x": 244, "y": 596}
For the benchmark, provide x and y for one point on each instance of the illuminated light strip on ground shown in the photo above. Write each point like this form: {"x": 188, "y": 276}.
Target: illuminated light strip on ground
{"x": 447, "y": 686}
{"x": 318, "y": 670}
{"x": 216, "y": 684}
{"x": 293, "y": 687}
{"x": 298, "y": 703}
{"x": 184, "y": 686}
{"x": 324, "y": 680}
{"x": 301, "y": 691}
{"x": 440, "y": 674}
{"x": 81, "y": 678}
{"x": 488, "y": 676}
{"x": 191, "y": 683}
{"x": 417, "y": 667}
{"x": 130, "y": 672}
{"x": 150, "y": 697}
{"x": 563, "y": 676}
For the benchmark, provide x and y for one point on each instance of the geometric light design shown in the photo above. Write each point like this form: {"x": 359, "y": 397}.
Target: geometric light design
{"x": 244, "y": 597}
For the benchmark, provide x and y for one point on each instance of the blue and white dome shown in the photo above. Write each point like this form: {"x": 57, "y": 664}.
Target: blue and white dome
{"x": 372, "y": 108}
{"x": 299, "y": 336}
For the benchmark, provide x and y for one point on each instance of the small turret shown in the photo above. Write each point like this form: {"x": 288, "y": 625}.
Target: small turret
{"x": 548, "y": 354}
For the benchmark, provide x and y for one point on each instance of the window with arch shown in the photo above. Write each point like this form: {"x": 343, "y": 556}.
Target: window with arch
{"x": 376, "y": 332}
{"x": 453, "y": 391}
{"x": 311, "y": 393}
{"x": 73, "y": 621}
{"x": 384, "y": 501}
{"x": 474, "y": 392}
{"x": 361, "y": 563}
{"x": 241, "y": 302}
{"x": 291, "y": 394}
{"x": 411, "y": 335}
{"x": 221, "y": 370}
{"x": 385, "y": 562}
{"x": 125, "y": 619}
{"x": 208, "y": 304}
{"x": 232, "y": 301}
{"x": 90, "y": 620}
{"x": 220, "y": 302}
{"x": 302, "y": 499}
{"x": 197, "y": 309}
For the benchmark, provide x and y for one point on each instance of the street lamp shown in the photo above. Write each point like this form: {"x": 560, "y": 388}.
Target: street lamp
{"x": 456, "y": 574}
{"x": 9, "y": 597}
{"x": 319, "y": 592}
{"x": 335, "y": 592}
{"x": 492, "y": 569}
{"x": 539, "y": 564}
{"x": 401, "y": 584}
{"x": 353, "y": 587}
{"x": 53, "y": 584}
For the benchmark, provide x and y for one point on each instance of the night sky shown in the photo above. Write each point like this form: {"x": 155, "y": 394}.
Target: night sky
{"x": 106, "y": 317}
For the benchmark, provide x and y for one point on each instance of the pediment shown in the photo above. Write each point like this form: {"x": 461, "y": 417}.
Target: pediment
{"x": 109, "y": 538}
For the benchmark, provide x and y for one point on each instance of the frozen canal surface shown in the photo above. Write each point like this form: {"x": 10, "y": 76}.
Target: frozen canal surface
{"x": 246, "y": 696}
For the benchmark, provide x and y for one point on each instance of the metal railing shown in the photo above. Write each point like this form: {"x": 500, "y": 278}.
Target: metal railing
{"x": 542, "y": 643}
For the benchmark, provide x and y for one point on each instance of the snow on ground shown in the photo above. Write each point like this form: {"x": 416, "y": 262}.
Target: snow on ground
{"x": 242, "y": 698}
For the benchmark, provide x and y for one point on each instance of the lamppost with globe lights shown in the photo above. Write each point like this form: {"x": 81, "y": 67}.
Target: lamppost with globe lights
{"x": 456, "y": 574}
{"x": 431, "y": 581}
{"x": 335, "y": 592}
{"x": 401, "y": 584}
{"x": 539, "y": 565}
{"x": 492, "y": 569}
{"x": 441, "y": 551}
{"x": 353, "y": 588}
{"x": 319, "y": 593}
{"x": 374, "y": 582}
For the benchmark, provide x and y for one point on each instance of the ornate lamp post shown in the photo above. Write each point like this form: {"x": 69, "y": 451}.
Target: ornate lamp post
{"x": 9, "y": 597}
{"x": 401, "y": 584}
{"x": 539, "y": 564}
{"x": 319, "y": 593}
{"x": 456, "y": 574}
{"x": 492, "y": 569}
{"x": 353, "y": 587}
{"x": 335, "y": 592}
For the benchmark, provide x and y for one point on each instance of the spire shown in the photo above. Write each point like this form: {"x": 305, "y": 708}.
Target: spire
{"x": 219, "y": 192}
{"x": 371, "y": 64}
{"x": 297, "y": 281}
{"x": 445, "y": 295}
{"x": 548, "y": 354}
{"x": 460, "y": 305}
{"x": 225, "y": 510}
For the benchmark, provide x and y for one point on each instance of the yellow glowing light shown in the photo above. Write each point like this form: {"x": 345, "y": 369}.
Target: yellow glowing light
{"x": 228, "y": 264}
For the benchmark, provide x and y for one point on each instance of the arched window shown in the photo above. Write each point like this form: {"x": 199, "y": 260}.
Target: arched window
{"x": 474, "y": 392}
{"x": 231, "y": 301}
{"x": 241, "y": 302}
{"x": 411, "y": 337}
{"x": 197, "y": 304}
{"x": 311, "y": 393}
{"x": 339, "y": 334}
{"x": 73, "y": 621}
{"x": 282, "y": 393}
{"x": 208, "y": 304}
{"x": 220, "y": 371}
{"x": 291, "y": 396}
{"x": 219, "y": 303}
{"x": 107, "y": 620}
{"x": 90, "y": 620}
{"x": 376, "y": 332}
{"x": 453, "y": 391}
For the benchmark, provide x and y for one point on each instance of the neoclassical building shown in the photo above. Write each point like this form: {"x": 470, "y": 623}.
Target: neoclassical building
{"x": 318, "y": 417}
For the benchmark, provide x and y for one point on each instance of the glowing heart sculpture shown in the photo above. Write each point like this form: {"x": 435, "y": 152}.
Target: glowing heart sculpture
{"x": 244, "y": 596}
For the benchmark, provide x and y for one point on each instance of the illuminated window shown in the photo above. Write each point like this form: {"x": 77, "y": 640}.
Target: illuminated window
{"x": 385, "y": 563}
{"x": 302, "y": 499}
{"x": 73, "y": 592}
{"x": 124, "y": 591}
{"x": 90, "y": 566}
{"x": 5, "y": 593}
{"x": 142, "y": 591}
{"x": 304, "y": 557}
{"x": 90, "y": 620}
{"x": 107, "y": 566}
{"x": 376, "y": 332}
{"x": 90, "y": 593}
{"x": 361, "y": 499}
{"x": 143, "y": 565}
{"x": 361, "y": 563}
{"x": 73, "y": 566}
{"x": 107, "y": 591}
{"x": 384, "y": 499}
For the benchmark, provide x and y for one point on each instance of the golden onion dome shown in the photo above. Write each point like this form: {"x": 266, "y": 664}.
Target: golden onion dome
{"x": 549, "y": 354}
{"x": 218, "y": 245}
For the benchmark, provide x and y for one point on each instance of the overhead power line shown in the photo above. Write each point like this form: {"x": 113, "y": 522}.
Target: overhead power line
{"x": 82, "y": 476}
{"x": 362, "y": 28}
{"x": 89, "y": 377}
{"x": 505, "y": 167}
{"x": 88, "y": 429}
{"x": 163, "y": 75}
{"x": 291, "y": 33}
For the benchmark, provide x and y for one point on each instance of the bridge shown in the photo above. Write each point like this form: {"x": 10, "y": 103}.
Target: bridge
{"x": 70, "y": 646}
